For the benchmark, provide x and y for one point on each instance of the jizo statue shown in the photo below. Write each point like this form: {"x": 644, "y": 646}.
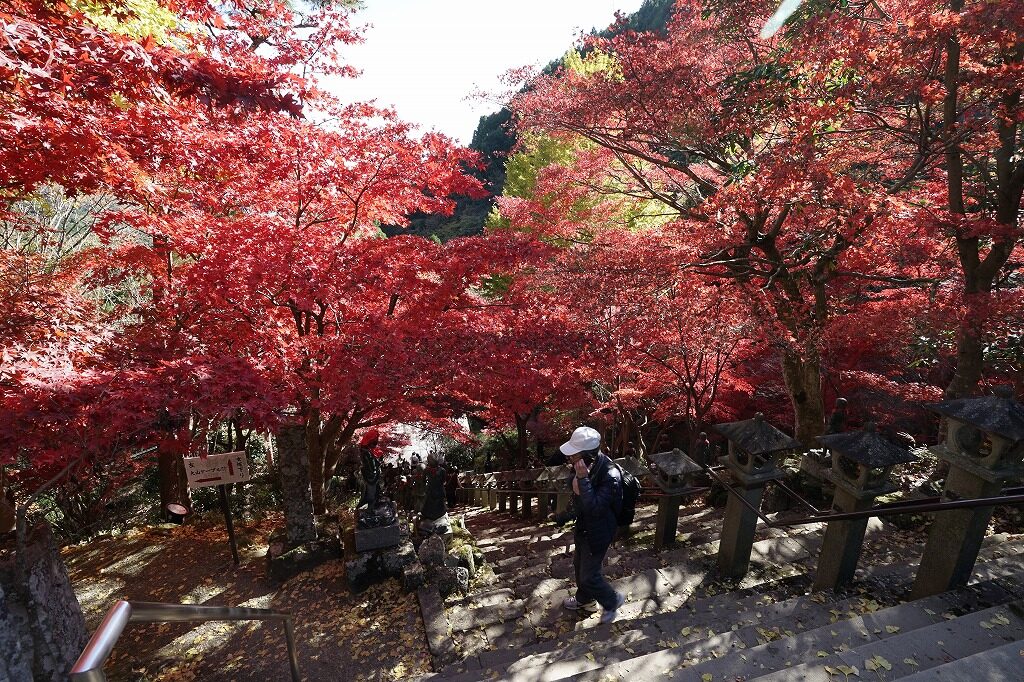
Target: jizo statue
{"x": 374, "y": 508}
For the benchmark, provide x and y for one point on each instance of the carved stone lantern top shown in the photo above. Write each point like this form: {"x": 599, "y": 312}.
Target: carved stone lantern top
{"x": 672, "y": 468}
{"x": 868, "y": 448}
{"x": 756, "y": 436}
{"x": 633, "y": 466}
{"x": 862, "y": 460}
{"x": 555, "y": 477}
{"x": 531, "y": 477}
{"x": 675, "y": 462}
{"x": 984, "y": 436}
{"x": 753, "y": 446}
{"x": 998, "y": 414}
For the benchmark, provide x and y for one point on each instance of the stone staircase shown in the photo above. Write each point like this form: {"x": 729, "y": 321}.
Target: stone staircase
{"x": 679, "y": 623}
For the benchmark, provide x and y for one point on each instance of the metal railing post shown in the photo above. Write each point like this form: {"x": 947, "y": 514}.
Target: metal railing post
{"x": 89, "y": 666}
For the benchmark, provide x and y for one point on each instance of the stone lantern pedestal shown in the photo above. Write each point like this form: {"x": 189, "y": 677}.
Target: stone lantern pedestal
{"x": 984, "y": 446}
{"x": 514, "y": 484}
{"x": 754, "y": 446}
{"x": 490, "y": 499}
{"x": 671, "y": 472}
{"x": 548, "y": 484}
{"x": 861, "y": 464}
{"x": 737, "y": 540}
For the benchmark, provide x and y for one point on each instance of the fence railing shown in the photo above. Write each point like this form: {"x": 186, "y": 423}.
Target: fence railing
{"x": 89, "y": 666}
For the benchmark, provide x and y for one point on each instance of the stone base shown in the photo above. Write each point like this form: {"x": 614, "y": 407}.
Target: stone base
{"x": 369, "y": 539}
{"x": 284, "y": 563}
{"x": 375, "y": 566}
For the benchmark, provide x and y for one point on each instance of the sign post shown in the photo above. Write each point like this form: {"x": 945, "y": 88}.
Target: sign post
{"x": 220, "y": 470}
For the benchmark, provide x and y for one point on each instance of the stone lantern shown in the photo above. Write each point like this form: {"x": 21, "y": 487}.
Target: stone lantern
{"x": 983, "y": 442}
{"x": 671, "y": 472}
{"x": 528, "y": 484}
{"x": 488, "y": 487}
{"x": 548, "y": 483}
{"x": 861, "y": 465}
{"x": 754, "y": 448}
{"x": 557, "y": 480}
{"x": 501, "y": 489}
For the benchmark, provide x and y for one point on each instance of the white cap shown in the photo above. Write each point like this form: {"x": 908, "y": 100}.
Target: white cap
{"x": 583, "y": 438}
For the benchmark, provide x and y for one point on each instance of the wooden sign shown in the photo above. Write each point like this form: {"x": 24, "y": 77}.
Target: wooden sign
{"x": 218, "y": 469}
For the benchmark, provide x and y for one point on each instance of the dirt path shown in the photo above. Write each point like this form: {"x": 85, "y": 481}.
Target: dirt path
{"x": 375, "y": 635}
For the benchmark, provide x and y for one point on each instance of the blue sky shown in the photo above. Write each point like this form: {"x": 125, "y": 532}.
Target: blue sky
{"x": 425, "y": 57}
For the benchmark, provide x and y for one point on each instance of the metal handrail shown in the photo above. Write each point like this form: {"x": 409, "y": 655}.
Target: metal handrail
{"x": 889, "y": 509}
{"x": 89, "y": 666}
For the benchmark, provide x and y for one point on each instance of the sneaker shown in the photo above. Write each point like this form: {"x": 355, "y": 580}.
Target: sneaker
{"x": 573, "y": 605}
{"x": 609, "y": 614}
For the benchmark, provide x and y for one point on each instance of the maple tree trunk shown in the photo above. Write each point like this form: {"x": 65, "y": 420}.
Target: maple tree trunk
{"x": 42, "y": 630}
{"x": 803, "y": 381}
{"x": 969, "y": 358}
{"x": 315, "y": 451}
{"x": 173, "y": 481}
{"x": 521, "y": 442}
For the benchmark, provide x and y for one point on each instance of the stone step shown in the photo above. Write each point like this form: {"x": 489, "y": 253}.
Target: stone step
{"x": 657, "y": 590}
{"x": 1002, "y": 663}
{"x": 690, "y": 631}
{"x": 847, "y": 641}
{"x": 922, "y": 649}
{"x": 702, "y": 613}
{"x": 667, "y": 641}
{"x": 637, "y": 632}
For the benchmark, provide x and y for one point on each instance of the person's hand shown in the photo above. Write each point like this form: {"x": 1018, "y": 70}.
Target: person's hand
{"x": 581, "y": 468}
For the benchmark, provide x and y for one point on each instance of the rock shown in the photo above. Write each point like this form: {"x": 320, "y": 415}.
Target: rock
{"x": 432, "y": 552}
{"x": 451, "y": 580}
{"x": 283, "y": 563}
{"x": 467, "y": 560}
{"x": 361, "y": 571}
{"x": 394, "y": 561}
{"x": 413, "y": 577}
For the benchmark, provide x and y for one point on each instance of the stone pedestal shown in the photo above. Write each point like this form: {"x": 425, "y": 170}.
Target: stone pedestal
{"x": 492, "y": 498}
{"x": 562, "y": 501}
{"x": 401, "y": 563}
{"x": 502, "y": 501}
{"x": 667, "y": 521}
{"x": 513, "y": 502}
{"x": 368, "y": 539}
{"x": 737, "y": 538}
{"x": 527, "y": 506}
{"x": 956, "y": 535}
{"x": 840, "y": 549}
{"x": 544, "y": 506}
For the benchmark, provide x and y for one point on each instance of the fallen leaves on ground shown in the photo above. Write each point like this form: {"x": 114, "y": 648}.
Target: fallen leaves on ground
{"x": 376, "y": 635}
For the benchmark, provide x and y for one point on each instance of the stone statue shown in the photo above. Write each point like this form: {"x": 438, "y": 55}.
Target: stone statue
{"x": 837, "y": 420}
{"x": 374, "y": 508}
{"x": 836, "y": 424}
{"x": 435, "y": 502}
{"x": 434, "y": 510}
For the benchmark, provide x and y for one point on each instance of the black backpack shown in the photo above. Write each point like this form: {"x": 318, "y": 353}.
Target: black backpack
{"x": 631, "y": 490}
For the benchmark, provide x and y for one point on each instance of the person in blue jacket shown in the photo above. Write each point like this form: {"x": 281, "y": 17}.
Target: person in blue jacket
{"x": 597, "y": 495}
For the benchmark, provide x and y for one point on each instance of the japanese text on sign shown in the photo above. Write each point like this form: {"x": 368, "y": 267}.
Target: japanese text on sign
{"x": 226, "y": 467}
